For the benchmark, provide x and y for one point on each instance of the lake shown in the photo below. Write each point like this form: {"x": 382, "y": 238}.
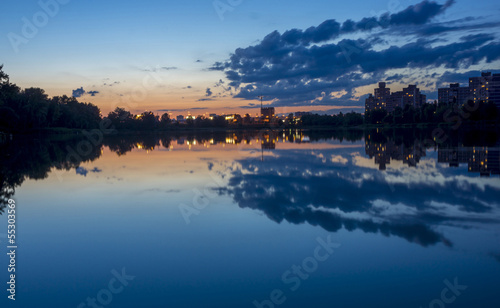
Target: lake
{"x": 283, "y": 218}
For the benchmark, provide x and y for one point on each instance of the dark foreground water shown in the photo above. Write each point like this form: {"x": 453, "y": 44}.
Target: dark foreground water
{"x": 254, "y": 219}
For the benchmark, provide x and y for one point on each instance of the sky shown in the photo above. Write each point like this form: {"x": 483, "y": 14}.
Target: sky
{"x": 220, "y": 56}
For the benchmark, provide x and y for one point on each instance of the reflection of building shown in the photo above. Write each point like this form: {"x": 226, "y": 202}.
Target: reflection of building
{"x": 482, "y": 160}
{"x": 383, "y": 152}
{"x": 378, "y": 150}
{"x": 269, "y": 141}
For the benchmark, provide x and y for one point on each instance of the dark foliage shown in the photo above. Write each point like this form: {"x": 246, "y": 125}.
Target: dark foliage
{"x": 454, "y": 114}
{"x": 28, "y": 109}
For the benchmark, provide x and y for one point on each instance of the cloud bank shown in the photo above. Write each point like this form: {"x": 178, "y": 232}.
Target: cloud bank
{"x": 325, "y": 64}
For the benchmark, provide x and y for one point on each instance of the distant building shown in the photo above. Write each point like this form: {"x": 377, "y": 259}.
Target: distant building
{"x": 454, "y": 94}
{"x": 267, "y": 113}
{"x": 382, "y": 94}
{"x": 479, "y": 87}
{"x": 300, "y": 114}
{"x": 486, "y": 88}
{"x": 370, "y": 103}
{"x": 380, "y": 99}
{"x": 247, "y": 119}
{"x": 495, "y": 90}
{"x": 180, "y": 118}
{"x": 384, "y": 99}
{"x": 483, "y": 88}
{"x": 412, "y": 97}
{"x": 395, "y": 100}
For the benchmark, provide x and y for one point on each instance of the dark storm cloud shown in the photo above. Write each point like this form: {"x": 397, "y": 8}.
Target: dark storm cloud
{"x": 331, "y": 29}
{"x": 334, "y": 67}
{"x": 93, "y": 93}
{"x": 304, "y": 66}
{"x": 208, "y": 92}
{"x": 419, "y": 14}
{"x": 459, "y": 25}
{"x": 462, "y": 78}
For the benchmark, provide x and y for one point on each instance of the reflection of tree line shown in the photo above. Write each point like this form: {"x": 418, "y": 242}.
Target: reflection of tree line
{"x": 265, "y": 139}
{"x": 479, "y": 149}
{"x": 33, "y": 158}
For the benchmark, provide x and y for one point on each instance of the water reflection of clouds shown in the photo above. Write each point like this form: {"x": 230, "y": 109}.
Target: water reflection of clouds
{"x": 160, "y": 190}
{"x": 429, "y": 172}
{"x": 340, "y": 192}
{"x": 84, "y": 171}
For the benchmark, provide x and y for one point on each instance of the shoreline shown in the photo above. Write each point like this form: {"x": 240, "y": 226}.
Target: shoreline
{"x": 62, "y": 131}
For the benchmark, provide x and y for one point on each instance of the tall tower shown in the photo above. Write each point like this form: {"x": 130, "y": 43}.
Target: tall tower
{"x": 261, "y": 112}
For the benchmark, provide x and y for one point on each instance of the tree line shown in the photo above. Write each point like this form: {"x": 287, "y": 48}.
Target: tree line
{"x": 32, "y": 109}
{"x": 451, "y": 113}
{"x": 338, "y": 120}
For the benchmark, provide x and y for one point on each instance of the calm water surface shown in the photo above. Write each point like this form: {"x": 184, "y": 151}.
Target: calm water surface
{"x": 255, "y": 219}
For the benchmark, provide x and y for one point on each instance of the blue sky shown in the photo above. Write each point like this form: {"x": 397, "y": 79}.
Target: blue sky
{"x": 165, "y": 55}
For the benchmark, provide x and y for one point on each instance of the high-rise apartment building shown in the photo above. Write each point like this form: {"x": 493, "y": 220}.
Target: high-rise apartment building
{"x": 484, "y": 88}
{"x": 454, "y": 94}
{"x": 384, "y": 99}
